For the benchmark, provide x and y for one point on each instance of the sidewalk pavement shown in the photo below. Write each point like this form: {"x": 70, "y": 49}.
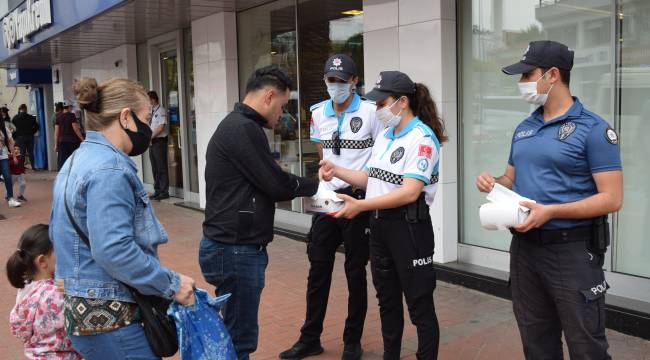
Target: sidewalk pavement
{"x": 473, "y": 325}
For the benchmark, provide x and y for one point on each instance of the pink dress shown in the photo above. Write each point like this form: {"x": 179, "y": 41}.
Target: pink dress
{"x": 37, "y": 320}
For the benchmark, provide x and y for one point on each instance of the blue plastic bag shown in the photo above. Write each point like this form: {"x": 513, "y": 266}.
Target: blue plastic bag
{"x": 202, "y": 335}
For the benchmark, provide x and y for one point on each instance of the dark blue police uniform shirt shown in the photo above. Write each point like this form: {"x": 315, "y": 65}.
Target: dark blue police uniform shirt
{"x": 554, "y": 161}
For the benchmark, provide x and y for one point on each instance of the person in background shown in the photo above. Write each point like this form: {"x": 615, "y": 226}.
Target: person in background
{"x": 158, "y": 150}
{"x": 37, "y": 318}
{"x": 67, "y": 134}
{"x": 6, "y": 148}
{"x": 26, "y": 127}
{"x": 17, "y": 169}
{"x": 4, "y": 117}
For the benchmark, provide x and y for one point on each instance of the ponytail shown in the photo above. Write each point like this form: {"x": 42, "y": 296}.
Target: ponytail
{"x": 425, "y": 108}
{"x": 33, "y": 243}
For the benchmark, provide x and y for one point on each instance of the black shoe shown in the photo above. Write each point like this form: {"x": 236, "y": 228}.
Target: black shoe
{"x": 154, "y": 195}
{"x": 352, "y": 352}
{"x": 22, "y": 198}
{"x": 301, "y": 350}
{"x": 162, "y": 196}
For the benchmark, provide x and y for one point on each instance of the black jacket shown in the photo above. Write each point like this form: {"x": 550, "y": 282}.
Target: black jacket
{"x": 26, "y": 124}
{"x": 243, "y": 181}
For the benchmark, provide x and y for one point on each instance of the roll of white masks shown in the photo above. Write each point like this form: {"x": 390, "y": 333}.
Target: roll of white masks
{"x": 503, "y": 210}
{"x": 324, "y": 201}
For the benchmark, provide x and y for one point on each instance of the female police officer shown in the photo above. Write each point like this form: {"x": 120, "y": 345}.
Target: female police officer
{"x": 400, "y": 180}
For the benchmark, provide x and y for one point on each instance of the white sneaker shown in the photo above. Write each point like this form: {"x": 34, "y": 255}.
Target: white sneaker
{"x": 13, "y": 203}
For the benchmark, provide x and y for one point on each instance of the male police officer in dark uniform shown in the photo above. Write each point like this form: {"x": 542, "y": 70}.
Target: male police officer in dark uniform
{"x": 566, "y": 158}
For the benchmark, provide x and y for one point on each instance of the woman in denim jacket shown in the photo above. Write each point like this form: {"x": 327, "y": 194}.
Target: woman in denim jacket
{"x": 110, "y": 205}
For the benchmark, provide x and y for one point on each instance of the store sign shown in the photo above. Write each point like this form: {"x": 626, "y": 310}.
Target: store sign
{"x": 18, "y": 25}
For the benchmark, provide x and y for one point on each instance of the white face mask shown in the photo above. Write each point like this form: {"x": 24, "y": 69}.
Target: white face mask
{"x": 529, "y": 93}
{"x": 339, "y": 92}
{"x": 386, "y": 117}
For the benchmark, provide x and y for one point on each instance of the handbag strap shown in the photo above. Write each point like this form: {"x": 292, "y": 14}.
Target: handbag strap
{"x": 76, "y": 227}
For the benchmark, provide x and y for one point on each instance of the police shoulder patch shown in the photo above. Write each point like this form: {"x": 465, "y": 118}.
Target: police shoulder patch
{"x": 611, "y": 136}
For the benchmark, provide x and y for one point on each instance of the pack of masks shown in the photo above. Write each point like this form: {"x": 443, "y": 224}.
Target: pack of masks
{"x": 324, "y": 201}
{"x": 503, "y": 210}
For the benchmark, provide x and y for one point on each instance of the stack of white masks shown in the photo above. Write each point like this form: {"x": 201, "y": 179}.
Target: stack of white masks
{"x": 324, "y": 201}
{"x": 503, "y": 210}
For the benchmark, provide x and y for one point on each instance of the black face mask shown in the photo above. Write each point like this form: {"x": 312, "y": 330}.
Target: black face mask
{"x": 141, "y": 138}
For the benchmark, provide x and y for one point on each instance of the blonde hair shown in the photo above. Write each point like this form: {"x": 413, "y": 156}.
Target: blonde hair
{"x": 104, "y": 103}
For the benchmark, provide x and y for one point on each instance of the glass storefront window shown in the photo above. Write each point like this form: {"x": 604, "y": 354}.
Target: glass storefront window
{"x": 267, "y": 35}
{"x": 324, "y": 29}
{"x": 495, "y": 33}
{"x": 632, "y": 248}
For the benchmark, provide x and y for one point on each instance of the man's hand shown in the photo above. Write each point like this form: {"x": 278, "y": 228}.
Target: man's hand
{"x": 539, "y": 215}
{"x": 485, "y": 182}
{"x": 351, "y": 209}
{"x": 185, "y": 293}
{"x": 327, "y": 170}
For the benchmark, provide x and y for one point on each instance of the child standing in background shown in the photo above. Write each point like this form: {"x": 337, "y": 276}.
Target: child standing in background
{"x": 37, "y": 317}
{"x": 17, "y": 169}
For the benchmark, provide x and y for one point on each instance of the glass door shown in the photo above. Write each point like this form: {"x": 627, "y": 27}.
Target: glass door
{"x": 170, "y": 100}
{"x": 190, "y": 115}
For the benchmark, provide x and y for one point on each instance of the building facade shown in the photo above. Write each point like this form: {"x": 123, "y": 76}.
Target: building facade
{"x": 198, "y": 55}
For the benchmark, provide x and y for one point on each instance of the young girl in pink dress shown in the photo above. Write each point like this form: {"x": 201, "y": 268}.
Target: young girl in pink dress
{"x": 37, "y": 317}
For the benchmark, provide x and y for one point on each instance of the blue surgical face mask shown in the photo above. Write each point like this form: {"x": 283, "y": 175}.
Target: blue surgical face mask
{"x": 339, "y": 92}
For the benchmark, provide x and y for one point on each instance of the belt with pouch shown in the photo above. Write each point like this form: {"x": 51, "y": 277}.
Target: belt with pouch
{"x": 558, "y": 236}
{"x": 414, "y": 212}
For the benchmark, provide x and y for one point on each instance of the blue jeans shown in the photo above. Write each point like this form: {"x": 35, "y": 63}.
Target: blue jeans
{"x": 6, "y": 174}
{"x": 127, "y": 343}
{"x": 238, "y": 270}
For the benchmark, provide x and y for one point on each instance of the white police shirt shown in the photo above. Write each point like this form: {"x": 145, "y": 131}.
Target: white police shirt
{"x": 413, "y": 153}
{"x": 159, "y": 117}
{"x": 357, "y": 129}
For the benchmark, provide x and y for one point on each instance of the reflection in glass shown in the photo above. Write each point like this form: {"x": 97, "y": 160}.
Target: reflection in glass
{"x": 632, "y": 248}
{"x": 266, "y": 35}
{"x": 324, "y": 29}
{"x": 496, "y": 33}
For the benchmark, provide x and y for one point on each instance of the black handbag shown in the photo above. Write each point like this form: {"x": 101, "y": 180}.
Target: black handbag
{"x": 159, "y": 328}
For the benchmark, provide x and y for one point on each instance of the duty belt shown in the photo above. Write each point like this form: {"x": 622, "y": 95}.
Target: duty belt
{"x": 413, "y": 212}
{"x": 559, "y": 236}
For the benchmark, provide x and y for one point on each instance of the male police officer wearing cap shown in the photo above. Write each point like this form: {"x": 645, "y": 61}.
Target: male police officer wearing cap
{"x": 344, "y": 129}
{"x": 567, "y": 159}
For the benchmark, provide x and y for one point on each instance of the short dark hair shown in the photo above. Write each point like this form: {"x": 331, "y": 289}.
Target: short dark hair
{"x": 58, "y": 106}
{"x": 22, "y": 107}
{"x": 271, "y": 75}
{"x": 153, "y": 96}
{"x": 565, "y": 75}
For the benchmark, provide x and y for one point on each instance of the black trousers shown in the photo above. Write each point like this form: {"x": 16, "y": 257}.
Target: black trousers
{"x": 402, "y": 265}
{"x": 65, "y": 151}
{"x": 326, "y": 235}
{"x": 26, "y": 145}
{"x": 158, "y": 157}
{"x": 558, "y": 288}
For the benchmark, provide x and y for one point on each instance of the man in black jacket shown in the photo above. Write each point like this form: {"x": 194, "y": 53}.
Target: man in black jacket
{"x": 243, "y": 183}
{"x": 26, "y": 128}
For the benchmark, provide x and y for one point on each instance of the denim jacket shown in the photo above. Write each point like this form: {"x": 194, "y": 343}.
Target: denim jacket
{"x": 110, "y": 205}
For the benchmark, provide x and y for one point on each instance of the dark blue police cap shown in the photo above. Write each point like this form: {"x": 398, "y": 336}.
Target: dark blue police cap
{"x": 390, "y": 82}
{"x": 340, "y": 66}
{"x": 542, "y": 54}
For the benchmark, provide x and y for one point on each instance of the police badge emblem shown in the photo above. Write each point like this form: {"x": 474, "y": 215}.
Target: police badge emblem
{"x": 397, "y": 155}
{"x": 566, "y": 129}
{"x": 355, "y": 124}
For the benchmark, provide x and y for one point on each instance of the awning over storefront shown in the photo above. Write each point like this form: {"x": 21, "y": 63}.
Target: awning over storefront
{"x": 82, "y": 28}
